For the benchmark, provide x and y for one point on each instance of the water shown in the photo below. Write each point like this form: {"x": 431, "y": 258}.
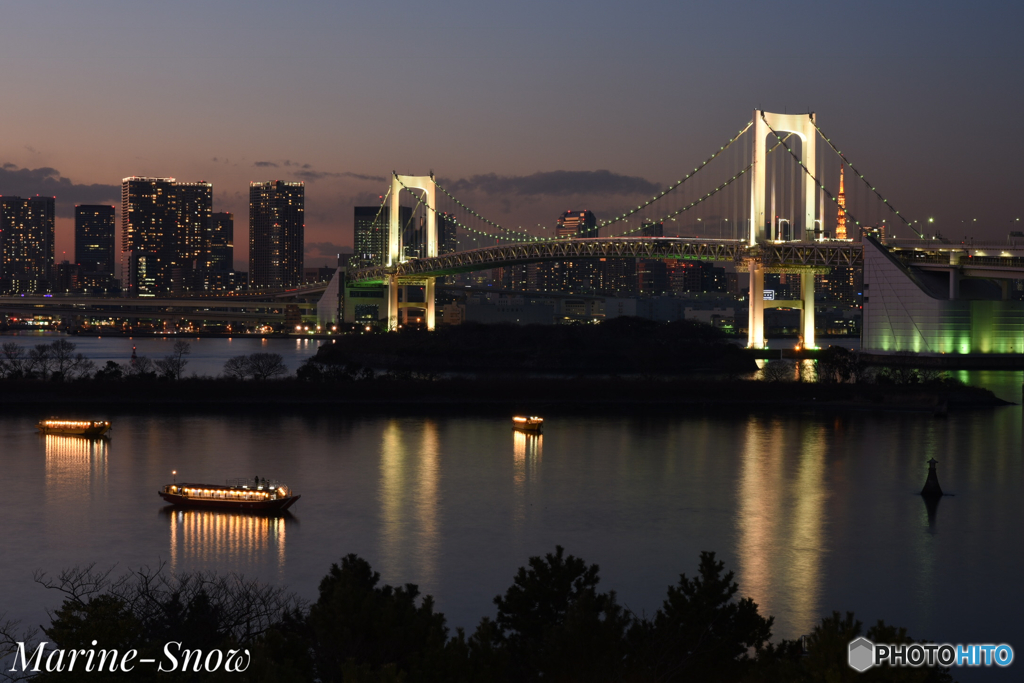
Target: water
{"x": 813, "y": 512}
{"x": 207, "y": 354}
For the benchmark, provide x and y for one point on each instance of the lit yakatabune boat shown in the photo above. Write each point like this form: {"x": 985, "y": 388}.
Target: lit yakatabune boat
{"x": 531, "y": 424}
{"x": 237, "y": 494}
{"x": 73, "y": 427}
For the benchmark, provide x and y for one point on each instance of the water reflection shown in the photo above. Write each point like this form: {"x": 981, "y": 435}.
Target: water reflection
{"x": 226, "y": 538}
{"x": 409, "y": 499}
{"x": 526, "y": 450}
{"x": 74, "y": 465}
{"x": 780, "y": 520}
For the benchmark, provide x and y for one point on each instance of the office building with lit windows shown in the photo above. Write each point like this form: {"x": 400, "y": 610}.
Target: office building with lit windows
{"x": 149, "y": 227}
{"x": 572, "y": 276}
{"x": 94, "y": 238}
{"x": 195, "y": 206}
{"x": 276, "y": 234}
{"x": 27, "y": 244}
{"x": 219, "y": 243}
{"x": 370, "y": 224}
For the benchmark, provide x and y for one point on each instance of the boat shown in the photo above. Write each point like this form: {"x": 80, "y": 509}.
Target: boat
{"x": 534, "y": 425}
{"x": 73, "y": 427}
{"x": 236, "y": 494}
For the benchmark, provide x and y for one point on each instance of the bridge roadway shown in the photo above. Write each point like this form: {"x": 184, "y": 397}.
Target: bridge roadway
{"x": 228, "y": 309}
{"x": 998, "y": 261}
{"x": 794, "y": 255}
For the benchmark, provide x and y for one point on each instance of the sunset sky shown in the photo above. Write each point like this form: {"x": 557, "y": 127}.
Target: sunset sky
{"x": 927, "y": 98}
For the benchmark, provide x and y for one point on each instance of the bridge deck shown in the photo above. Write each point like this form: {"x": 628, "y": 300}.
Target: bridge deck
{"x": 792, "y": 254}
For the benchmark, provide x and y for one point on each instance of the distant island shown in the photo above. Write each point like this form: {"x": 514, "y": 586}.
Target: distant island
{"x": 627, "y": 364}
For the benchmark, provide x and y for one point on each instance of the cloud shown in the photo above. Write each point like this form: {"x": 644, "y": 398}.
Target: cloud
{"x": 307, "y": 173}
{"x": 28, "y": 182}
{"x": 319, "y": 175}
{"x": 325, "y": 249}
{"x": 555, "y": 183}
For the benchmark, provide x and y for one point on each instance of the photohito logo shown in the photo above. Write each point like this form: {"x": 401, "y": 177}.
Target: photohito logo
{"x": 863, "y": 654}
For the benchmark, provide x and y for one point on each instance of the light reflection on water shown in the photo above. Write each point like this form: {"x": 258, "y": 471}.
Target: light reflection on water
{"x": 526, "y": 454}
{"x": 212, "y": 539}
{"x": 814, "y": 512}
{"x": 74, "y": 465}
{"x": 409, "y": 498}
{"x": 780, "y": 521}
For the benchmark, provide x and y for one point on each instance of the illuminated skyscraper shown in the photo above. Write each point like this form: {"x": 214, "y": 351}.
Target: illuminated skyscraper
{"x": 447, "y": 238}
{"x": 276, "y": 234}
{"x": 149, "y": 225}
{"x": 371, "y": 233}
{"x": 841, "y": 200}
{"x": 27, "y": 232}
{"x": 94, "y": 238}
{"x": 195, "y": 205}
{"x": 572, "y": 276}
{"x": 577, "y": 224}
{"x": 219, "y": 243}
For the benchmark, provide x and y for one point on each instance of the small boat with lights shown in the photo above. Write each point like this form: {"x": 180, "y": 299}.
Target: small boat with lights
{"x": 531, "y": 425}
{"x": 258, "y": 495}
{"x": 90, "y": 428}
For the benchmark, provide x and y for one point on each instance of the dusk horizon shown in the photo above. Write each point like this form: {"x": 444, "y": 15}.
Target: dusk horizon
{"x": 917, "y": 99}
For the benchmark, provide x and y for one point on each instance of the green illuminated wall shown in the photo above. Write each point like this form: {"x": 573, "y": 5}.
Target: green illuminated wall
{"x": 904, "y": 314}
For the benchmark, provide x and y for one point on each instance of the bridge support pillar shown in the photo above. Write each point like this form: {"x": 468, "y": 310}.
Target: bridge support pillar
{"x": 803, "y": 126}
{"x": 392, "y": 287}
{"x": 807, "y": 311}
{"x": 755, "y": 295}
{"x": 428, "y": 295}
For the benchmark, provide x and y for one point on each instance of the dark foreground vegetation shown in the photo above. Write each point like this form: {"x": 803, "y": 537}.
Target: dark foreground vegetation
{"x": 618, "y": 346}
{"x": 552, "y": 624}
{"x": 432, "y": 372}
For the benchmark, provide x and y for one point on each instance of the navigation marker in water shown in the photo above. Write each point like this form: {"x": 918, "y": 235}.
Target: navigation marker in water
{"x": 931, "y": 484}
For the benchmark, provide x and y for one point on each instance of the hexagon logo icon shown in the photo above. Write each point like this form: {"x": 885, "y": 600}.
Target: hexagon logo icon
{"x": 862, "y": 654}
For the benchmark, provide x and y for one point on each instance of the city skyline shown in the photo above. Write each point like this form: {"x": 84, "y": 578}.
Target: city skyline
{"x": 922, "y": 114}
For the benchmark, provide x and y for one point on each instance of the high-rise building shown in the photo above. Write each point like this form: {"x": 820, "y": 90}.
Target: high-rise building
{"x": 27, "y": 236}
{"x": 149, "y": 227}
{"x": 652, "y": 277}
{"x": 447, "y": 238}
{"x": 218, "y": 252}
{"x": 94, "y": 238}
{"x": 841, "y": 285}
{"x": 618, "y": 275}
{"x": 276, "y": 234}
{"x": 577, "y": 224}
{"x": 371, "y": 233}
{"x": 195, "y": 205}
{"x": 572, "y": 276}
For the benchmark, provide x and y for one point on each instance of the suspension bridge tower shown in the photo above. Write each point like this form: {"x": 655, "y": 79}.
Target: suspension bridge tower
{"x": 803, "y": 126}
{"x": 395, "y": 251}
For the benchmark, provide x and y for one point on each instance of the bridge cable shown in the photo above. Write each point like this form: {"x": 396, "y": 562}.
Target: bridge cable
{"x": 640, "y": 207}
{"x": 672, "y": 215}
{"x": 811, "y": 175}
{"x": 679, "y": 182}
{"x": 412, "y": 214}
{"x": 868, "y": 184}
{"x": 376, "y": 219}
